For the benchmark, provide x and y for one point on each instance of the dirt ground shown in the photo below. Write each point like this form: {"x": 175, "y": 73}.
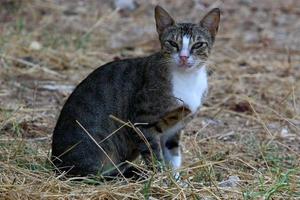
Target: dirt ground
{"x": 245, "y": 142}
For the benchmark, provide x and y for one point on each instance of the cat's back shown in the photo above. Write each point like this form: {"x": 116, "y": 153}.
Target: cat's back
{"x": 108, "y": 90}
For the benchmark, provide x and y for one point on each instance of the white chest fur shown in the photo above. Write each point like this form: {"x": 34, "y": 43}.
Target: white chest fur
{"x": 190, "y": 87}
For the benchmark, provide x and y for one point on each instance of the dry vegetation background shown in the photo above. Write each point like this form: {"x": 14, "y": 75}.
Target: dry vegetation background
{"x": 245, "y": 143}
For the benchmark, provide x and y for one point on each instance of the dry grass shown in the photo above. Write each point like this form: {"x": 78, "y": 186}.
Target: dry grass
{"x": 249, "y": 126}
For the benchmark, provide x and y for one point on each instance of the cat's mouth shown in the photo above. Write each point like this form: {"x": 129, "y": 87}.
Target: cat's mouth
{"x": 189, "y": 66}
{"x": 185, "y": 65}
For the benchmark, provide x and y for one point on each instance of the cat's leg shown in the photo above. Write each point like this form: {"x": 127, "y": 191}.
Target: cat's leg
{"x": 128, "y": 171}
{"x": 170, "y": 126}
{"x": 172, "y": 152}
{"x": 150, "y": 150}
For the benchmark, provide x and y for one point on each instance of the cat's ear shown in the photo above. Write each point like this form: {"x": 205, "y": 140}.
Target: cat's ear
{"x": 211, "y": 21}
{"x": 163, "y": 19}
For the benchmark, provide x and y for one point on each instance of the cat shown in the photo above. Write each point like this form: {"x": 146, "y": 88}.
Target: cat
{"x": 159, "y": 93}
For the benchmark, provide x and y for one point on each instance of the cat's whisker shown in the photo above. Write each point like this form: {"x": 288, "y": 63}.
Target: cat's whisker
{"x": 165, "y": 62}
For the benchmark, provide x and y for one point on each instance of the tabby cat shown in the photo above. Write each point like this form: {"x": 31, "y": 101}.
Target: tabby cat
{"x": 158, "y": 94}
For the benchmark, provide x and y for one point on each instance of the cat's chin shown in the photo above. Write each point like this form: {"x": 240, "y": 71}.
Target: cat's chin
{"x": 186, "y": 67}
{"x": 190, "y": 66}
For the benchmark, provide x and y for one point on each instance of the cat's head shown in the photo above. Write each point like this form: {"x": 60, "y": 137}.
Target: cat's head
{"x": 186, "y": 45}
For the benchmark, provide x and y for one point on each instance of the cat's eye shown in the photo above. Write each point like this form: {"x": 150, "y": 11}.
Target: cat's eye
{"x": 199, "y": 45}
{"x": 173, "y": 44}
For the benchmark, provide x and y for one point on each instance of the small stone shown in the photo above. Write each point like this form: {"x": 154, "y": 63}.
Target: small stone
{"x": 35, "y": 45}
{"x": 232, "y": 181}
{"x": 284, "y": 131}
{"x": 125, "y": 4}
{"x": 251, "y": 37}
{"x": 247, "y": 2}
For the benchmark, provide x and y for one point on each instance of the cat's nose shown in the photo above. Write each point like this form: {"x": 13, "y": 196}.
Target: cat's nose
{"x": 183, "y": 58}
